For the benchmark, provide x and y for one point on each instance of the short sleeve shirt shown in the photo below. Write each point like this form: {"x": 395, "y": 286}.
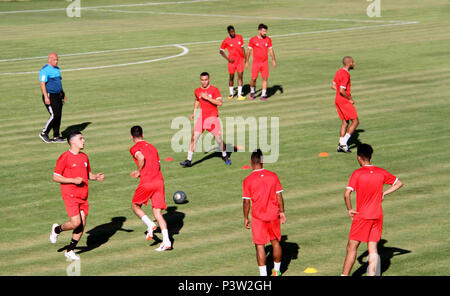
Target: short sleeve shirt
{"x": 234, "y": 46}
{"x": 71, "y": 165}
{"x": 260, "y": 47}
{"x": 208, "y": 108}
{"x": 368, "y": 183}
{"x": 151, "y": 170}
{"x": 261, "y": 187}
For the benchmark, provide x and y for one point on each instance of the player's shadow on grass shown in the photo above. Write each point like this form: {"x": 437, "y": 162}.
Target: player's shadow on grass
{"x": 174, "y": 220}
{"x": 216, "y": 152}
{"x": 354, "y": 141}
{"x": 273, "y": 90}
{"x": 74, "y": 128}
{"x": 386, "y": 254}
{"x": 270, "y": 90}
{"x": 100, "y": 234}
{"x": 289, "y": 253}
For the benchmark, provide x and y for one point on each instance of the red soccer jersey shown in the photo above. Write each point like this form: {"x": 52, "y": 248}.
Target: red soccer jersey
{"x": 342, "y": 80}
{"x": 368, "y": 183}
{"x": 234, "y": 46}
{"x": 71, "y": 165}
{"x": 151, "y": 170}
{"x": 260, "y": 48}
{"x": 208, "y": 108}
{"x": 262, "y": 186}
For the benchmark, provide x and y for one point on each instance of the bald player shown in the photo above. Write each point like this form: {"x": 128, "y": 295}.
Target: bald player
{"x": 345, "y": 104}
{"x": 53, "y": 97}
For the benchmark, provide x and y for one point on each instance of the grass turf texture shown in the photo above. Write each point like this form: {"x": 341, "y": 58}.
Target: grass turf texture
{"x": 400, "y": 86}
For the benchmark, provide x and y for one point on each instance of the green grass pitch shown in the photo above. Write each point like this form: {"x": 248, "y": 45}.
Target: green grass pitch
{"x": 400, "y": 85}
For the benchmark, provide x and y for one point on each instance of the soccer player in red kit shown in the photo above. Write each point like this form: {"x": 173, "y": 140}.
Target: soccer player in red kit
{"x": 260, "y": 45}
{"x": 234, "y": 44}
{"x": 73, "y": 171}
{"x": 262, "y": 192}
{"x": 367, "y": 219}
{"x": 208, "y": 98}
{"x": 344, "y": 103}
{"x": 151, "y": 186}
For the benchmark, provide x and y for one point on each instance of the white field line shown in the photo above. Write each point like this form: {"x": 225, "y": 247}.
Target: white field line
{"x": 253, "y": 17}
{"x": 107, "y": 6}
{"x": 181, "y": 45}
{"x": 185, "y": 51}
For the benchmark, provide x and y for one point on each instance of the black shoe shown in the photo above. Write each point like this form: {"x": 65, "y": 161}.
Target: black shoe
{"x": 227, "y": 160}
{"x": 343, "y": 148}
{"x": 58, "y": 140}
{"x": 45, "y": 138}
{"x": 187, "y": 163}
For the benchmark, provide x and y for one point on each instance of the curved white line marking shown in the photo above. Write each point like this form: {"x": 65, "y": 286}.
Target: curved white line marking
{"x": 185, "y": 51}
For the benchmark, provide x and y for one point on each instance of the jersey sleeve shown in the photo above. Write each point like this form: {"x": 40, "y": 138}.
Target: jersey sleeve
{"x": 251, "y": 43}
{"x": 43, "y": 77}
{"x": 196, "y": 95}
{"x": 224, "y": 45}
{"x": 216, "y": 94}
{"x": 269, "y": 43}
{"x": 242, "y": 41}
{"x": 246, "y": 194}
{"x": 60, "y": 165}
{"x": 133, "y": 151}
{"x": 352, "y": 183}
{"x": 343, "y": 80}
{"x": 389, "y": 178}
{"x": 278, "y": 186}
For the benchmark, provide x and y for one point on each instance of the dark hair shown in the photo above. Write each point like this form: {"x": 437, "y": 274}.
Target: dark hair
{"x": 230, "y": 27}
{"x": 365, "y": 151}
{"x": 257, "y": 156}
{"x": 71, "y": 135}
{"x": 204, "y": 74}
{"x": 262, "y": 26}
{"x": 136, "y": 131}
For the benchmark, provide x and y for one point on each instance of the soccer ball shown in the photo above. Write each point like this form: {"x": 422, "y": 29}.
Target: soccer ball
{"x": 179, "y": 197}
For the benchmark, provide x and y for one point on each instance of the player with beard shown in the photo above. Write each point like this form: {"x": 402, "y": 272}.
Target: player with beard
{"x": 344, "y": 103}
{"x": 260, "y": 45}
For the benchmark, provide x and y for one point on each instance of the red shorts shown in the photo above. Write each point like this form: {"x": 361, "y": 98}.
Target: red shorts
{"x": 265, "y": 231}
{"x": 366, "y": 230}
{"x": 153, "y": 191}
{"x": 74, "y": 205}
{"x": 262, "y": 67}
{"x": 346, "y": 110}
{"x": 238, "y": 65}
{"x": 211, "y": 124}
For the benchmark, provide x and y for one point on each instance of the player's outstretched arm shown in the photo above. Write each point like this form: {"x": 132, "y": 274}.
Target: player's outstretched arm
{"x": 393, "y": 188}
